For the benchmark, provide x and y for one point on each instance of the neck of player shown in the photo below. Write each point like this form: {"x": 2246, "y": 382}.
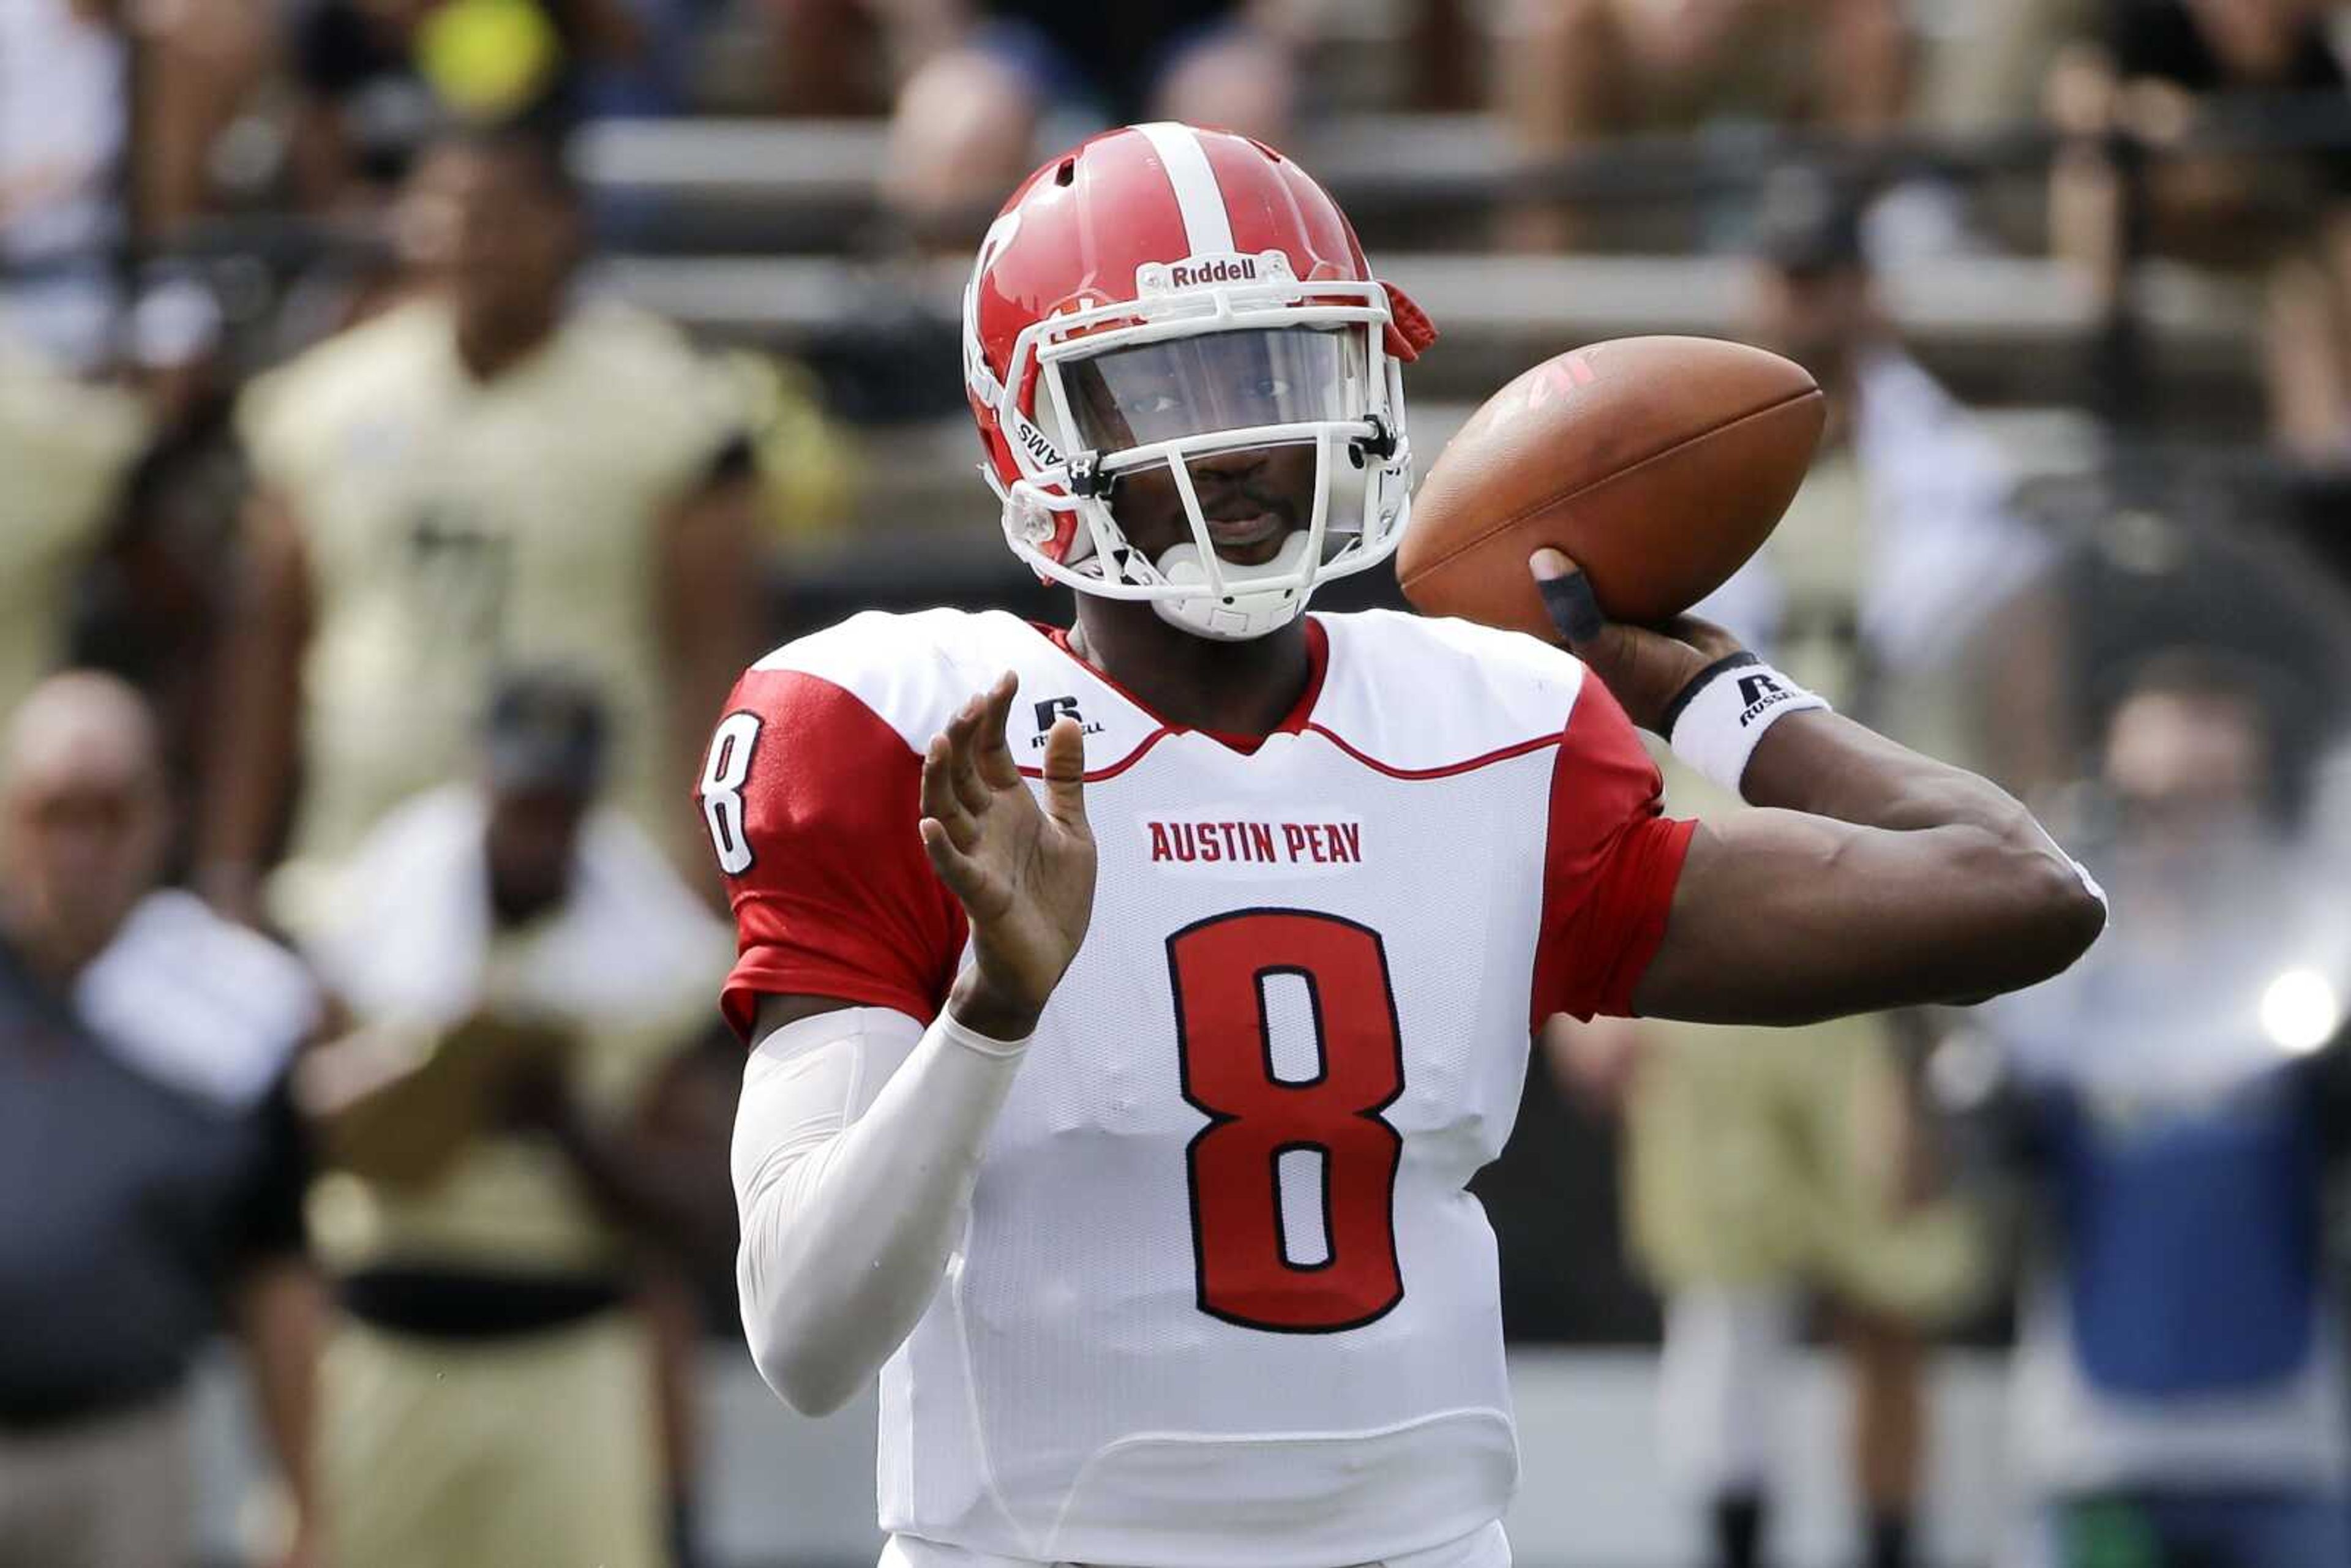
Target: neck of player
{"x": 491, "y": 344}
{"x": 1195, "y": 683}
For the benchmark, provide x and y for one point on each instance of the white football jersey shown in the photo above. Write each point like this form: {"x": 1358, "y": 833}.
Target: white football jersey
{"x": 1224, "y": 1297}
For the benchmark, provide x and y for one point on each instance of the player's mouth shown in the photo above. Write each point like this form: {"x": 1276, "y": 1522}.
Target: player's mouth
{"x": 1250, "y": 539}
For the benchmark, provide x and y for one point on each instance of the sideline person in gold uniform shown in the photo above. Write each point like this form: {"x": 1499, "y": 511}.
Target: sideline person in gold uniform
{"x": 1765, "y": 1167}
{"x": 484, "y": 477}
{"x": 524, "y": 970}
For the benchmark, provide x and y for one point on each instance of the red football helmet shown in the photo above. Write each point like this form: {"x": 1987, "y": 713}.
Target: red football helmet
{"x": 1162, "y": 294}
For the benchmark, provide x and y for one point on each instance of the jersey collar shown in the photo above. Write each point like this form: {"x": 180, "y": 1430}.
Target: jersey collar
{"x": 1294, "y": 722}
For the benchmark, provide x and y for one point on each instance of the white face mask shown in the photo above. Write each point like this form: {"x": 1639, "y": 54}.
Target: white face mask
{"x": 1174, "y": 395}
{"x": 1169, "y": 414}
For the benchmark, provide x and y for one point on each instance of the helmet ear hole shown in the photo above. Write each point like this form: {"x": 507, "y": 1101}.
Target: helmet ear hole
{"x": 1067, "y": 173}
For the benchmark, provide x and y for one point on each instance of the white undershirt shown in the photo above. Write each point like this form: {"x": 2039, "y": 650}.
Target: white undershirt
{"x": 856, "y": 1144}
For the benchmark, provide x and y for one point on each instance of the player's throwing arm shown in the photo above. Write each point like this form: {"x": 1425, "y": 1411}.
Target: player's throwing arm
{"x": 1874, "y": 878}
{"x": 860, "y": 1134}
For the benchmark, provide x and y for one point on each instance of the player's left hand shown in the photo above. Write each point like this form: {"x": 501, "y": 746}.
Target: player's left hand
{"x": 1021, "y": 866}
{"x": 1644, "y": 667}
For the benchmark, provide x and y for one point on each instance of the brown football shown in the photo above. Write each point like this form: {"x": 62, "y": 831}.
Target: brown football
{"x": 1659, "y": 465}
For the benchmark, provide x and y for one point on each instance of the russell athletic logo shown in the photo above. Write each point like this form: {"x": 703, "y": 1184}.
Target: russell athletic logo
{"x": 1200, "y": 271}
{"x": 1052, "y": 711}
{"x": 1757, "y": 695}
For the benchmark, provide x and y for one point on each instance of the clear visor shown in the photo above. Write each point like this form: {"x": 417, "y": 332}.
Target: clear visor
{"x": 1218, "y": 382}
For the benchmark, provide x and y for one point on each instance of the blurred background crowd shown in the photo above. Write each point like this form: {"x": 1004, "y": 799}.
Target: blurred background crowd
{"x": 412, "y": 413}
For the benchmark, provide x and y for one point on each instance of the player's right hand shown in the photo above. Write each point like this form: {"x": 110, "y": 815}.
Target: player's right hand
{"x": 1644, "y": 667}
{"x": 1021, "y": 864}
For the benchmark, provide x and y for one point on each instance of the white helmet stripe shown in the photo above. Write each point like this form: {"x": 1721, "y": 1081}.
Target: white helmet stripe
{"x": 1206, "y": 227}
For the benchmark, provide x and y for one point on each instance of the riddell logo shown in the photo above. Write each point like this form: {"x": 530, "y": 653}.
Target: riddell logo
{"x": 1223, "y": 269}
{"x": 1200, "y": 271}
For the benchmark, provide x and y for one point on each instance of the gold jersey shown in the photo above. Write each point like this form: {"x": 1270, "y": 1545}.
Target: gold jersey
{"x": 455, "y": 527}
{"x": 65, "y": 447}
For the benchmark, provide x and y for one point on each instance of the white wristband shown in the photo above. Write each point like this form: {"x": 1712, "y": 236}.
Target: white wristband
{"x": 1725, "y": 711}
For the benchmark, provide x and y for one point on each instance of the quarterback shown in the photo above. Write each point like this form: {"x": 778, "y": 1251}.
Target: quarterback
{"x": 1131, "y": 1004}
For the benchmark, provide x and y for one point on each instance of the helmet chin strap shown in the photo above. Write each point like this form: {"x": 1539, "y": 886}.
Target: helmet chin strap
{"x": 1236, "y": 617}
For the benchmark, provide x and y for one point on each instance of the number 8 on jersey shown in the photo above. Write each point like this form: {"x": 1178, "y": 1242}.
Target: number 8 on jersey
{"x": 1326, "y": 1124}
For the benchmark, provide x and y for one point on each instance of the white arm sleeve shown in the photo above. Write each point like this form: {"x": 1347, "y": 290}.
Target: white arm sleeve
{"x": 856, "y": 1144}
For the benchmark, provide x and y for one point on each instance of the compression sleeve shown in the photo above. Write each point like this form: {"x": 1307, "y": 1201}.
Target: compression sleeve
{"x": 856, "y": 1144}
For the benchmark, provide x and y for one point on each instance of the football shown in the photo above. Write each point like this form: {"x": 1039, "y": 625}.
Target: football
{"x": 1659, "y": 465}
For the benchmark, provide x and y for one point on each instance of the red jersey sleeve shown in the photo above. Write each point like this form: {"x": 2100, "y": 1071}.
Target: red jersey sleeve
{"x": 1610, "y": 864}
{"x": 815, "y": 826}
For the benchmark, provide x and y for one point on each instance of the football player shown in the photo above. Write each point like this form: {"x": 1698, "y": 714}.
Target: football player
{"x": 487, "y": 475}
{"x": 1272, "y": 900}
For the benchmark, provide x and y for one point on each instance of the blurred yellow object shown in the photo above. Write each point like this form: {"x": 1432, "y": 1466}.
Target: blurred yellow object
{"x": 805, "y": 457}
{"x": 534, "y": 1450}
{"x": 1768, "y": 1156}
{"x": 401, "y": 1108}
{"x": 454, "y": 529}
{"x": 1760, "y": 1157}
{"x": 66, "y": 447}
{"x": 488, "y": 58}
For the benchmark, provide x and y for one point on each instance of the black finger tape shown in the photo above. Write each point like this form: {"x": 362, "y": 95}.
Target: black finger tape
{"x": 1573, "y": 609}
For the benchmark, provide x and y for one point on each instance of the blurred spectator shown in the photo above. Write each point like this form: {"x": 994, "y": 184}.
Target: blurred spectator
{"x": 993, "y": 85}
{"x": 200, "y": 62}
{"x": 807, "y": 461}
{"x": 2280, "y": 217}
{"x": 485, "y": 476}
{"x": 150, "y": 1164}
{"x": 2180, "y": 1390}
{"x": 1902, "y": 543}
{"x": 379, "y": 80}
{"x": 524, "y": 969}
{"x": 63, "y": 124}
{"x": 111, "y": 541}
{"x": 1765, "y": 1165}
{"x": 65, "y": 450}
{"x": 1570, "y": 72}
{"x": 1984, "y": 61}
